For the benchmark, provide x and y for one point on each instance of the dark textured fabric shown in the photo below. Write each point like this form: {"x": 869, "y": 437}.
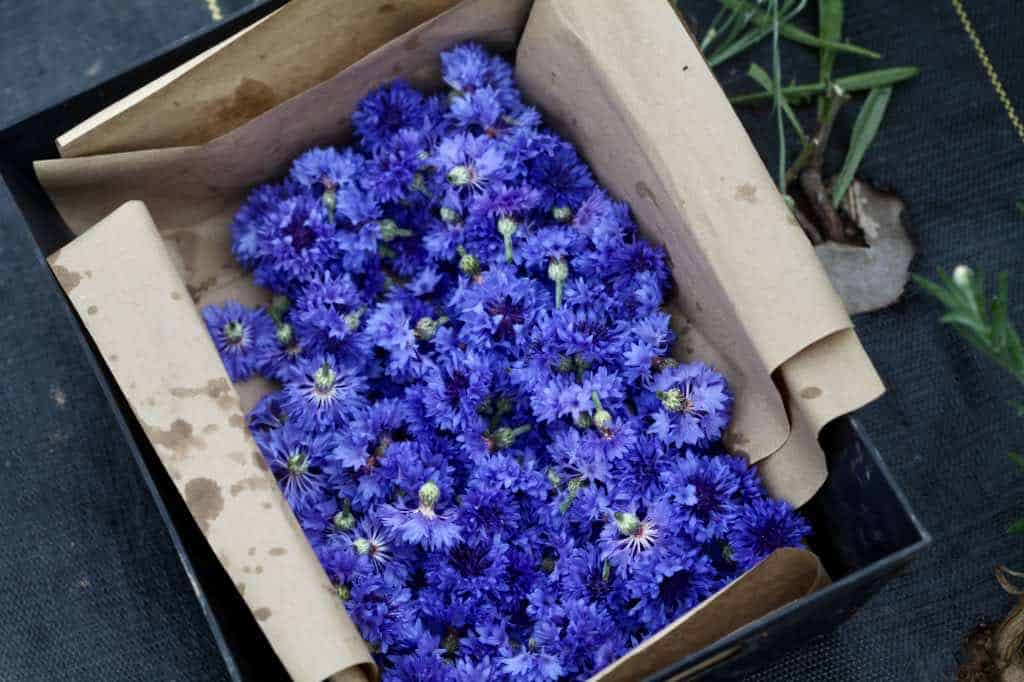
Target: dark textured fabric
{"x": 90, "y": 587}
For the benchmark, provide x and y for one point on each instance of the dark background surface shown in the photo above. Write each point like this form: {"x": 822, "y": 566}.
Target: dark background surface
{"x": 90, "y": 587}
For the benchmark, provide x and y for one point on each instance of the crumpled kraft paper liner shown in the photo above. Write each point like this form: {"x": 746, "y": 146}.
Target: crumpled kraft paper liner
{"x": 193, "y": 191}
{"x": 133, "y": 303}
{"x": 254, "y": 70}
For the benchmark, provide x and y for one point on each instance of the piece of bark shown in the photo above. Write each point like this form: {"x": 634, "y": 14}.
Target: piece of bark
{"x": 872, "y": 277}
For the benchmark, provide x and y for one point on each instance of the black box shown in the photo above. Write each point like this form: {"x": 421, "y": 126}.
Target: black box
{"x": 864, "y": 528}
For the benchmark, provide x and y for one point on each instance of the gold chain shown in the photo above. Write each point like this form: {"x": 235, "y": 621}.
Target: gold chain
{"x": 990, "y": 70}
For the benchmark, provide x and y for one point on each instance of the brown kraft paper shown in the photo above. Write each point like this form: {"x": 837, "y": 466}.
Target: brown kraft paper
{"x": 156, "y": 346}
{"x": 631, "y": 90}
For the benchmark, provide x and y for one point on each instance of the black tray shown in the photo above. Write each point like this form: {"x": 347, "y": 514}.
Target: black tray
{"x": 864, "y": 529}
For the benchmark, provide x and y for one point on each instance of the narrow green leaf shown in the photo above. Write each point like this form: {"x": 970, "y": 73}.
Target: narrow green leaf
{"x": 792, "y": 33}
{"x": 830, "y": 28}
{"x": 1020, "y": 205}
{"x": 999, "y": 315}
{"x": 857, "y": 82}
{"x": 765, "y": 81}
{"x": 763, "y": 26}
{"x": 965, "y": 320}
{"x": 935, "y": 290}
{"x": 869, "y": 120}
{"x": 1017, "y": 526}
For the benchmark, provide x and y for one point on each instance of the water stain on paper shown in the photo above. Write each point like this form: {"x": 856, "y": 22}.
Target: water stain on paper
{"x": 237, "y": 420}
{"x": 261, "y": 614}
{"x": 810, "y": 393}
{"x": 645, "y": 192}
{"x": 68, "y": 279}
{"x": 218, "y": 389}
{"x": 92, "y": 310}
{"x": 251, "y": 483}
{"x": 278, "y": 551}
{"x": 178, "y": 439}
{"x": 250, "y": 99}
{"x": 746, "y": 192}
{"x": 175, "y": 296}
{"x": 210, "y": 428}
{"x": 203, "y": 498}
{"x": 257, "y": 459}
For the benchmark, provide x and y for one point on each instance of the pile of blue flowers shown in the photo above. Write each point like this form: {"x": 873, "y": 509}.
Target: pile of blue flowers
{"x": 480, "y": 427}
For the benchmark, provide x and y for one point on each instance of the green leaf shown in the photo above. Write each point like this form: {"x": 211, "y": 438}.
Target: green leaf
{"x": 1016, "y": 527}
{"x": 1020, "y": 205}
{"x": 1015, "y": 457}
{"x": 765, "y": 81}
{"x": 788, "y": 31}
{"x": 869, "y": 120}
{"x": 830, "y": 28}
{"x": 857, "y": 82}
{"x": 764, "y": 24}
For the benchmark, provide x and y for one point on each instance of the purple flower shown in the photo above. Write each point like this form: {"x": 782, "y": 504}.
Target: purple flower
{"x": 424, "y": 525}
{"x": 695, "y": 405}
{"x": 322, "y": 393}
{"x": 763, "y": 526}
{"x": 239, "y": 334}
{"x": 708, "y": 488}
{"x": 385, "y": 111}
{"x": 297, "y": 461}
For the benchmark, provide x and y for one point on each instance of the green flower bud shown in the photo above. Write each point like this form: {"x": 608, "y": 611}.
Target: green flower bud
{"x": 362, "y": 546}
{"x": 450, "y": 215}
{"x": 504, "y": 437}
{"x": 344, "y": 592}
{"x": 426, "y": 328}
{"x": 460, "y": 175}
{"x": 344, "y": 520}
{"x": 323, "y": 378}
{"x": 429, "y": 494}
{"x": 674, "y": 400}
{"x": 353, "y": 318}
{"x": 602, "y": 419}
{"x": 297, "y": 463}
{"x": 558, "y": 272}
{"x": 562, "y": 214}
{"x": 330, "y": 201}
{"x": 627, "y": 522}
{"x": 234, "y": 332}
{"x": 389, "y": 230}
{"x": 553, "y": 478}
{"x": 279, "y": 305}
{"x": 506, "y": 228}
{"x": 284, "y": 334}
{"x": 468, "y": 263}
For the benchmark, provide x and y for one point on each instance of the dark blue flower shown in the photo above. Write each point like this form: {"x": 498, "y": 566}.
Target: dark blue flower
{"x": 763, "y": 526}
{"x": 695, "y": 405}
{"x": 239, "y": 334}
{"x": 322, "y": 393}
{"x": 386, "y": 110}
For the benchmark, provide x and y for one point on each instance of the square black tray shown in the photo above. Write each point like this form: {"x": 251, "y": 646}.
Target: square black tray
{"x": 864, "y": 528}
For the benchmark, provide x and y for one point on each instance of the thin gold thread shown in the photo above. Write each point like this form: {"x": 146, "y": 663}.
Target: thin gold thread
{"x": 990, "y": 70}
{"x": 214, "y": 8}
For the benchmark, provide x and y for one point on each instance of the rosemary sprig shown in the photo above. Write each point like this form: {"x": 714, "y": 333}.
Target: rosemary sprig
{"x": 985, "y": 324}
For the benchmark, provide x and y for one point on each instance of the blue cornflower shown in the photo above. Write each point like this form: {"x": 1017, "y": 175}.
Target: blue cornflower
{"x": 296, "y": 241}
{"x": 763, "y": 526}
{"x": 680, "y": 580}
{"x": 328, "y": 315}
{"x": 470, "y": 163}
{"x": 386, "y": 110}
{"x": 635, "y": 540}
{"x": 469, "y": 67}
{"x": 297, "y": 459}
{"x": 239, "y": 334}
{"x": 322, "y": 393}
{"x": 563, "y": 180}
{"x": 708, "y": 490}
{"x": 695, "y": 405}
{"x": 424, "y": 525}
